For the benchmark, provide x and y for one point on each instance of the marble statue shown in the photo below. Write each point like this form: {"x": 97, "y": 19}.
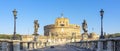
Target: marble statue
{"x": 36, "y": 26}
{"x": 84, "y": 26}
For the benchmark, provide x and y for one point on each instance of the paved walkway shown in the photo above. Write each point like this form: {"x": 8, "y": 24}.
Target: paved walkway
{"x": 61, "y": 48}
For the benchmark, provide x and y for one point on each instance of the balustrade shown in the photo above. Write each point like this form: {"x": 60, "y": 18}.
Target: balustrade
{"x": 97, "y": 45}
{"x": 117, "y": 45}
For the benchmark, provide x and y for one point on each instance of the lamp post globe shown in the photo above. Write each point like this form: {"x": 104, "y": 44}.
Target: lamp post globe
{"x": 14, "y": 12}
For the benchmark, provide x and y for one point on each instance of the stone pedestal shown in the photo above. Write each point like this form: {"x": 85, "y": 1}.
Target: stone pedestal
{"x": 25, "y": 45}
{"x": 31, "y": 46}
{"x": 92, "y": 46}
{"x": 4, "y": 46}
{"x": 35, "y": 46}
{"x": 16, "y": 45}
{"x": 100, "y": 46}
{"x": 110, "y": 46}
{"x": 84, "y": 36}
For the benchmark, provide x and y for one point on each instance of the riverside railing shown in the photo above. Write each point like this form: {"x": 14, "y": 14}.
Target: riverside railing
{"x": 112, "y": 44}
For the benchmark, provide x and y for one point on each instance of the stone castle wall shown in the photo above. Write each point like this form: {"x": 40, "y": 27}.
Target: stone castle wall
{"x": 59, "y": 31}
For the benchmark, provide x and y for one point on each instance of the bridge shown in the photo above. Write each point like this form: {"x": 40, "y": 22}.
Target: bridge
{"x": 111, "y": 44}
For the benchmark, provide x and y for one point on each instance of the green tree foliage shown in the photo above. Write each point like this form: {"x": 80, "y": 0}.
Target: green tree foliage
{"x": 113, "y": 35}
{"x": 5, "y": 36}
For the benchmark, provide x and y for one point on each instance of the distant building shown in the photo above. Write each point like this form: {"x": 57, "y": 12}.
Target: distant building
{"x": 61, "y": 28}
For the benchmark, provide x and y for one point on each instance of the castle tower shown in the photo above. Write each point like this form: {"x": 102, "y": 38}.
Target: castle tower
{"x": 62, "y": 28}
{"x": 62, "y": 22}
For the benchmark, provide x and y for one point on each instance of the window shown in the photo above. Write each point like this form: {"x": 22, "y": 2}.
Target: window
{"x": 61, "y": 24}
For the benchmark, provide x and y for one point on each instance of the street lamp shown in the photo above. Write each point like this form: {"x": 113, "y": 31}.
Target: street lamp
{"x": 15, "y": 14}
{"x": 101, "y": 14}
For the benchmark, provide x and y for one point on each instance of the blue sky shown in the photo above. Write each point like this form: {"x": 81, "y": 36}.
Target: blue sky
{"x": 46, "y": 11}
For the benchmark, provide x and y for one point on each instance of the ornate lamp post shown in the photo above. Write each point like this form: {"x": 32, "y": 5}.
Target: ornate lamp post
{"x": 15, "y": 14}
{"x": 101, "y": 14}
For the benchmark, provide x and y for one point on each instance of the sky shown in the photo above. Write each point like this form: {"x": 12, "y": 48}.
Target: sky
{"x": 46, "y": 11}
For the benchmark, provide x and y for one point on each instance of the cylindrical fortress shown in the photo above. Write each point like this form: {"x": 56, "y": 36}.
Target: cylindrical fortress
{"x": 62, "y": 28}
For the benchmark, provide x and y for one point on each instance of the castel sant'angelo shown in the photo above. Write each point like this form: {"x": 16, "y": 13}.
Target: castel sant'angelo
{"x": 62, "y": 31}
{"x": 62, "y": 28}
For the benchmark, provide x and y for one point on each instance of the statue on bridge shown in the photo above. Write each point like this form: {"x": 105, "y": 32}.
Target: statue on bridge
{"x": 36, "y": 26}
{"x": 84, "y": 26}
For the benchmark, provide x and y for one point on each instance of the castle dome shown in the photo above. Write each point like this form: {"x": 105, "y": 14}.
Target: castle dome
{"x": 93, "y": 35}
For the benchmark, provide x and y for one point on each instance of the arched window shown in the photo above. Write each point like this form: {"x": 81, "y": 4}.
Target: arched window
{"x": 62, "y": 25}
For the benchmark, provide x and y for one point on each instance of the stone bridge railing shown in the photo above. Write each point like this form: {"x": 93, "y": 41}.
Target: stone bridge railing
{"x": 112, "y": 44}
{"x": 17, "y": 45}
{"x": 96, "y": 45}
